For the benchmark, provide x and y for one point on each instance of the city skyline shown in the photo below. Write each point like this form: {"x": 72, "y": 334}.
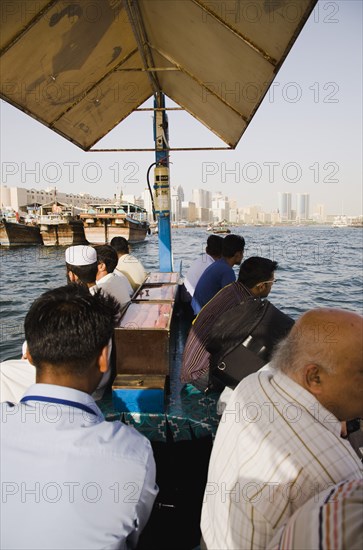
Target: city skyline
{"x": 306, "y": 137}
{"x": 218, "y": 203}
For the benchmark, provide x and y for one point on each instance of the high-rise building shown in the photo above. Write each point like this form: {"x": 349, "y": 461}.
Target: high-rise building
{"x": 202, "y": 198}
{"x": 176, "y": 204}
{"x": 220, "y": 207}
{"x": 180, "y": 193}
{"x": 284, "y": 206}
{"x": 302, "y": 206}
{"x": 147, "y": 204}
{"x": 319, "y": 213}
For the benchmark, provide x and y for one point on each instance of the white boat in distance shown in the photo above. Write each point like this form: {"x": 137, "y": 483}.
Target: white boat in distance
{"x": 340, "y": 221}
{"x": 102, "y": 222}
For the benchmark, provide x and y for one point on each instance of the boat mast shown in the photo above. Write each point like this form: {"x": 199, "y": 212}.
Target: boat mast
{"x": 161, "y": 183}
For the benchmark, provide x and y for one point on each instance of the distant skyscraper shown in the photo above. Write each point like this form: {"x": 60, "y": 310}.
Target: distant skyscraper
{"x": 176, "y": 203}
{"x": 303, "y": 206}
{"x": 284, "y": 206}
{"x": 180, "y": 193}
{"x": 319, "y": 213}
{"x": 147, "y": 203}
{"x": 202, "y": 198}
{"x": 220, "y": 207}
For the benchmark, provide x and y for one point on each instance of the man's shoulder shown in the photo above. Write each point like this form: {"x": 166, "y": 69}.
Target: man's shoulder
{"x": 210, "y": 271}
{"x": 128, "y": 259}
{"x": 217, "y": 301}
{"x": 218, "y": 268}
{"x": 120, "y": 441}
{"x": 255, "y": 382}
{"x": 104, "y": 280}
{"x": 119, "y": 281}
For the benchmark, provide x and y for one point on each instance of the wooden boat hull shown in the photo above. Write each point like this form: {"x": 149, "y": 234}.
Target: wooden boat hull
{"x": 63, "y": 234}
{"x": 19, "y": 234}
{"x": 101, "y": 231}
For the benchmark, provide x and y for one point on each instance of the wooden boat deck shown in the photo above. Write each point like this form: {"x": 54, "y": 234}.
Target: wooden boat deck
{"x": 181, "y": 439}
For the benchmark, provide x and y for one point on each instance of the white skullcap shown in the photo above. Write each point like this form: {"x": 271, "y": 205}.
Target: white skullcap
{"x": 81, "y": 255}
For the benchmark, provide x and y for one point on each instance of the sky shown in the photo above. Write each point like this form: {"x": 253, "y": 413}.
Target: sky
{"x": 306, "y": 137}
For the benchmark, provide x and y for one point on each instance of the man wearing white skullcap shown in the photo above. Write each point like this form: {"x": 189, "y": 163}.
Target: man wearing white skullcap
{"x": 82, "y": 267}
{"x": 81, "y": 263}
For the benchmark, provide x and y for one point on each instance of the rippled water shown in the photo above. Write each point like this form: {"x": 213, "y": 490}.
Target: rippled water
{"x": 318, "y": 266}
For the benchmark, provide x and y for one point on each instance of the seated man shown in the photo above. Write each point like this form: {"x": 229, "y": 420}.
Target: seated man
{"x": 75, "y": 480}
{"x": 279, "y": 440}
{"x": 128, "y": 264}
{"x": 212, "y": 253}
{"x": 220, "y": 273}
{"x": 81, "y": 264}
{"x": 253, "y": 278}
{"x": 116, "y": 285}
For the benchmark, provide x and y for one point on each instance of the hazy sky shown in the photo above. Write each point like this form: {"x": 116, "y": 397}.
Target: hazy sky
{"x": 305, "y": 138}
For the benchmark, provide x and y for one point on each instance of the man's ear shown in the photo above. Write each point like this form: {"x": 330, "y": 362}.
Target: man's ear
{"x": 29, "y": 357}
{"x": 312, "y": 379}
{"x": 72, "y": 277}
{"x": 103, "y": 360}
{"x": 259, "y": 288}
{"x": 101, "y": 266}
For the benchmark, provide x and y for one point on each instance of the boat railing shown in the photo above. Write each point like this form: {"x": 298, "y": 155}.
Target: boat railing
{"x": 51, "y": 219}
{"x": 138, "y": 216}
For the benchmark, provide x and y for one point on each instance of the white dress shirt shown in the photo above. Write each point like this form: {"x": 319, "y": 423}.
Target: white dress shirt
{"x": 195, "y": 271}
{"x": 71, "y": 480}
{"x": 16, "y": 376}
{"x": 275, "y": 448}
{"x": 117, "y": 286}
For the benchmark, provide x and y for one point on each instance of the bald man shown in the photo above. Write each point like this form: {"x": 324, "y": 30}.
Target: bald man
{"x": 279, "y": 440}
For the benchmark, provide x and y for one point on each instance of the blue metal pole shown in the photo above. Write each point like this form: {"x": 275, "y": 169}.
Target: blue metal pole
{"x": 162, "y": 184}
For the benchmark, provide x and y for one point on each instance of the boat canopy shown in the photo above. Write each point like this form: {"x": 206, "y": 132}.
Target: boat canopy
{"x": 81, "y": 67}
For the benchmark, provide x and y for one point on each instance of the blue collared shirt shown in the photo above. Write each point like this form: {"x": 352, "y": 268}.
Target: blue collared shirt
{"x": 218, "y": 275}
{"x": 70, "y": 479}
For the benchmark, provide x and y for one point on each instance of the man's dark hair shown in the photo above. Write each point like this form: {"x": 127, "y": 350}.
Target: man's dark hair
{"x": 108, "y": 255}
{"x": 120, "y": 244}
{"x": 67, "y": 328}
{"x": 85, "y": 273}
{"x": 214, "y": 245}
{"x": 231, "y": 245}
{"x": 256, "y": 270}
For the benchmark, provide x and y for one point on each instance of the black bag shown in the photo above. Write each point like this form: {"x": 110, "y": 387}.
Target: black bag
{"x": 242, "y": 340}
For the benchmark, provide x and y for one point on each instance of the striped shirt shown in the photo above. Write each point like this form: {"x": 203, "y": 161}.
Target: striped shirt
{"x": 275, "y": 448}
{"x": 195, "y": 356}
{"x": 334, "y": 517}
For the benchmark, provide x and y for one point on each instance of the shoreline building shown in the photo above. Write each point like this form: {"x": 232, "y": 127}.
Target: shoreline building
{"x": 220, "y": 207}
{"x": 284, "y": 206}
{"x": 22, "y": 199}
{"x": 302, "y": 207}
{"x": 176, "y": 204}
{"x": 203, "y": 203}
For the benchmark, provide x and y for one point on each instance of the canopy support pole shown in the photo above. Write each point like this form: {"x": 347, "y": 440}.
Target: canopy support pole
{"x": 162, "y": 184}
